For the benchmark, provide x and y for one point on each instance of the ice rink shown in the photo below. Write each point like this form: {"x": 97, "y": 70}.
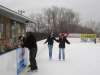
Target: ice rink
{"x": 81, "y": 59}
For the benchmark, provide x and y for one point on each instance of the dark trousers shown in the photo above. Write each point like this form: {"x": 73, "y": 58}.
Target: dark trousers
{"x": 32, "y": 58}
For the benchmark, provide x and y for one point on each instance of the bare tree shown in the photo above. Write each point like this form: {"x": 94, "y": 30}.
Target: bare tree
{"x": 97, "y": 29}
{"x": 38, "y": 19}
{"x": 58, "y": 19}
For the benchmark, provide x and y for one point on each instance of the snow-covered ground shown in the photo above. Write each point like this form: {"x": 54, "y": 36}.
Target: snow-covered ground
{"x": 81, "y": 59}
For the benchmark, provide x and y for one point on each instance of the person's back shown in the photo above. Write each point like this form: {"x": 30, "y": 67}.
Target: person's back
{"x": 50, "y": 40}
{"x": 30, "y": 40}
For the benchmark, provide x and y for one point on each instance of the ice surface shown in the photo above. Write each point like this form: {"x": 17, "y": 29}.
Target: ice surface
{"x": 81, "y": 59}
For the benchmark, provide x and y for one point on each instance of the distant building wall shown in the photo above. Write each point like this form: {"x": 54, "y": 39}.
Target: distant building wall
{"x": 9, "y": 31}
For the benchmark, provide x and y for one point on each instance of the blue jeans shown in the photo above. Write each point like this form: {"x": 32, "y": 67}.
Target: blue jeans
{"x": 62, "y": 52}
{"x": 50, "y": 51}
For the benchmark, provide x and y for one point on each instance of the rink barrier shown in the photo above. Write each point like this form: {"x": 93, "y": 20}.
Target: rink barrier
{"x": 88, "y": 38}
{"x": 88, "y": 35}
{"x": 21, "y": 60}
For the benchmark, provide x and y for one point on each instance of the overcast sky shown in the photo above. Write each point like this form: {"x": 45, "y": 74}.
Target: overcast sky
{"x": 88, "y": 9}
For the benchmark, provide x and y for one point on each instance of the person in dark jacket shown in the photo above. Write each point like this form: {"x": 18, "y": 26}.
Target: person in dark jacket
{"x": 30, "y": 43}
{"x": 62, "y": 40}
{"x": 50, "y": 41}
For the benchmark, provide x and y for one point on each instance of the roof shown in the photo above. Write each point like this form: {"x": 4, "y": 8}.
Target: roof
{"x": 14, "y": 15}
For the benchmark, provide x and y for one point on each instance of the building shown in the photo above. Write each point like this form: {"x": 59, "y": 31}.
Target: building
{"x": 12, "y": 25}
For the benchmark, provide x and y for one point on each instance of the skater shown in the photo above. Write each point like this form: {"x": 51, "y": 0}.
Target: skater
{"x": 30, "y": 43}
{"x": 50, "y": 41}
{"x": 62, "y": 39}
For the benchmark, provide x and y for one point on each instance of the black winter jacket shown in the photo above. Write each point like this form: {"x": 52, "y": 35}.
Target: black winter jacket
{"x": 50, "y": 40}
{"x": 62, "y": 42}
{"x": 30, "y": 42}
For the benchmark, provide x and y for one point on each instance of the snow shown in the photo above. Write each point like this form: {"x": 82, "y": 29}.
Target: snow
{"x": 81, "y": 59}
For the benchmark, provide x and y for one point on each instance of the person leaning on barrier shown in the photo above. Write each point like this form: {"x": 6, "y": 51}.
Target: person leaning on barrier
{"x": 30, "y": 43}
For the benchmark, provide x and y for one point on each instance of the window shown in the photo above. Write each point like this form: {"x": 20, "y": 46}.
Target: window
{"x": 1, "y": 27}
{"x": 1, "y": 30}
